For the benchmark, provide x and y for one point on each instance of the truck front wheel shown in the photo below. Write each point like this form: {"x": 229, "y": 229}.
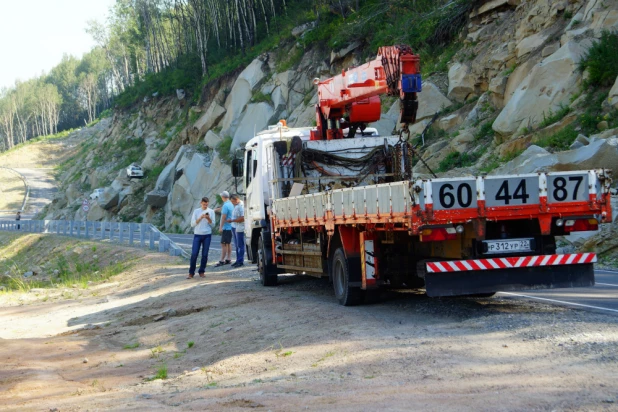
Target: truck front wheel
{"x": 268, "y": 271}
{"x": 346, "y": 294}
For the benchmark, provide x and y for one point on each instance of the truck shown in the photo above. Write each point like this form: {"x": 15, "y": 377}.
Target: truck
{"x": 338, "y": 201}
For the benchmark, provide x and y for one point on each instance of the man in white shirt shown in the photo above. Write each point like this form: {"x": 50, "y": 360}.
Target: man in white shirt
{"x": 238, "y": 224}
{"x": 202, "y": 222}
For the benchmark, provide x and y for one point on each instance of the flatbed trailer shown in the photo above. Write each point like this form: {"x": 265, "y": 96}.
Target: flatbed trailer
{"x": 441, "y": 229}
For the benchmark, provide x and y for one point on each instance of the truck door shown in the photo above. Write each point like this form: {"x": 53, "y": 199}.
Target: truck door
{"x": 254, "y": 205}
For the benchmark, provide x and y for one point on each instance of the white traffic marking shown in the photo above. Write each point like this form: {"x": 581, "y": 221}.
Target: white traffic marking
{"x": 560, "y": 301}
{"x": 605, "y": 284}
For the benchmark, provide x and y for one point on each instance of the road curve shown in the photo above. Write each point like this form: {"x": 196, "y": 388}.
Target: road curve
{"x": 42, "y": 190}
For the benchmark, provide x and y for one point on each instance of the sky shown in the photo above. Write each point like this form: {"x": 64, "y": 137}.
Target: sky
{"x": 35, "y": 34}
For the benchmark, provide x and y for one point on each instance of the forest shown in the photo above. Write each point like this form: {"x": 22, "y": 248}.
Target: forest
{"x": 158, "y": 46}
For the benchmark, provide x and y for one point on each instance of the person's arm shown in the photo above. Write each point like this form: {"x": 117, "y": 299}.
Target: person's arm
{"x": 211, "y": 213}
{"x": 222, "y": 222}
{"x": 241, "y": 215}
{"x": 194, "y": 221}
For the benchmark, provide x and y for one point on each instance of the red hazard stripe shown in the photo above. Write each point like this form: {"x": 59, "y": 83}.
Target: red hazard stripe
{"x": 510, "y": 262}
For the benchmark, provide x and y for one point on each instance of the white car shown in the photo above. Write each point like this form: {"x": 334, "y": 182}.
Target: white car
{"x": 96, "y": 193}
{"x": 134, "y": 171}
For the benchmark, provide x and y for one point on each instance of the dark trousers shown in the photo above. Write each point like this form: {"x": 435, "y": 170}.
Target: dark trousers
{"x": 204, "y": 242}
{"x": 240, "y": 247}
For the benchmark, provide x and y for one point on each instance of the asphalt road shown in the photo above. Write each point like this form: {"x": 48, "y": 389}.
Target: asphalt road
{"x": 603, "y": 297}
{"x": 42, "y": 190}
{"x": 186, "y": 242}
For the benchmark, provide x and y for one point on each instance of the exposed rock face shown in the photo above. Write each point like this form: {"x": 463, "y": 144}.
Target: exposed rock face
{"x": 200, "y": 178}
{"x": 210, "y": 118}
{"x": 601, "y": 153}
{"x": 97, "y": 213}
{"x": 460, "y": 82}
{"x": 549, "y": 84}
{"x": 430, "y": 101}
{"x": 156, "y": 198}
{"x": 255, "y": 118}
{"x": 109, "y": 198}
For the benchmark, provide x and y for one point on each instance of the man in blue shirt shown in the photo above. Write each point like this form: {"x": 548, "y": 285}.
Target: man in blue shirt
{"x": 225, "y": 228}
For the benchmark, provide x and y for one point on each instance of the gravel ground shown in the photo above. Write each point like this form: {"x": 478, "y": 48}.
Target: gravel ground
{"x": 227, "y": 343}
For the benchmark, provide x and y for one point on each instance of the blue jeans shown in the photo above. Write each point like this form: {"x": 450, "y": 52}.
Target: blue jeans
{"x": 204, "y": 242}
{"x": 240, "y": 247}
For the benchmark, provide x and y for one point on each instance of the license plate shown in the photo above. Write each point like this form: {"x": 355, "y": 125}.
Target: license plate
{"x": 506, "y": 246}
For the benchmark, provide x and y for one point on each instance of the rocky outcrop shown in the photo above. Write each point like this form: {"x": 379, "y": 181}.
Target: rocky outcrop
{"x": 600, "y": 153}
{"x": 109, "y": 198}
{"x": 211, "y": 117}
{"x": 460, "y": 82}
{"x": 549, "y": 84}
{"x": 254, "y": 119}
{"x": 431, "y": 101}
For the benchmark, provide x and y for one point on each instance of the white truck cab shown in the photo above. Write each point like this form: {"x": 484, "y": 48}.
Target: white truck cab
{"x": 261, "y": 171}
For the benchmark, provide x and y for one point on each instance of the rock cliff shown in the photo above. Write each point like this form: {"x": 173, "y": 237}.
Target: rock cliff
{"x": 512, "y": 86}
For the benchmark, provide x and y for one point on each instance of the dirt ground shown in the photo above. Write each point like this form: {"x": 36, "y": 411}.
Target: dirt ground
{"x": 227, "y": 343}
{"x": 40, "y": 155}
{"x": 12, "y": 191}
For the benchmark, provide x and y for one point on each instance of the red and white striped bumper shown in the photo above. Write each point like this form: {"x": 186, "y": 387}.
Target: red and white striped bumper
{"x": 510, "y": 262}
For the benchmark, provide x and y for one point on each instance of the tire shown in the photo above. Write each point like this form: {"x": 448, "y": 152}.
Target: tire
{"x": 268, "y": 271}
{"x": 345, "y": 294}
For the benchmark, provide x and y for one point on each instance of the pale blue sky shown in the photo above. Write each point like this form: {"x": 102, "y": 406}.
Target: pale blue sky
{"x": 34, "y": 34}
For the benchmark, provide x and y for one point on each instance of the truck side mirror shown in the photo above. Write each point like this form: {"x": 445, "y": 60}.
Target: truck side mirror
{"x": 237, "y": 167}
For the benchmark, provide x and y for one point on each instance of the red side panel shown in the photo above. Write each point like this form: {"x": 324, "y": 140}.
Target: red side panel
{"x": 350, "y": 240}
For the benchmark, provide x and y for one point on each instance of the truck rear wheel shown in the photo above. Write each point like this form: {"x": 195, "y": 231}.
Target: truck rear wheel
{"x": 345, "y": 294}
{"x": 268, "y": 271}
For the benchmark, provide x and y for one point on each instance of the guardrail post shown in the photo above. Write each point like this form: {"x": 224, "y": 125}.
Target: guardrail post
{"x": 79, "y": 229}
{"x": 164, "y": 245}
{"x": 142, "y": 234}
{"x": 152, "y": 238}
{"x": 111, "y": 231}
{"x": 103, "y": 225}
{"x": 121, "y": 227}
{"x": 87, "y": 234}
{"x": 131, "y": 233}
{"x": 71, "y": 227}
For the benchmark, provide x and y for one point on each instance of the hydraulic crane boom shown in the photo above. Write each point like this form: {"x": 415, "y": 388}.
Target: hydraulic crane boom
{"x": 351, "y": 100}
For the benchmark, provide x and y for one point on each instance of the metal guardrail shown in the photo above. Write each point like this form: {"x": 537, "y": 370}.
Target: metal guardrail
{"x": 23, "y": 178}
{"x": 131, "y": 234}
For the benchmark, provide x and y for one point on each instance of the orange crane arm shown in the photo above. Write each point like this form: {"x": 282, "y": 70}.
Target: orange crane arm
{"x": 351, "y": 100}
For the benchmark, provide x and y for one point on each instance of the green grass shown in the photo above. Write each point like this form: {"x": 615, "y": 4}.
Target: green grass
{"x": 225, "y": 149}
{"x": 73, "y": 269}
{"x": 484, "y": 131}
{"x": 560, "y": 140}
{"x": 131, "y": 346}
{"x": 161, "y": 372}
{"x": 259, "y": 97}
{"x": 601, "y": 60}
{"x": 190, "y": 344}
{"x": 552, "y": 117}
{"x": 455, "y": 159}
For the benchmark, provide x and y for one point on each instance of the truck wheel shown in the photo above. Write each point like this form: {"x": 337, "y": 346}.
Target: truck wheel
{"x": 268, "y": 271}
{"x": 345, "y": 294}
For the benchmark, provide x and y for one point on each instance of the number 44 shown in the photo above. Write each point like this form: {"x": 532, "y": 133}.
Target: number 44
{"x": 520, "y": 192}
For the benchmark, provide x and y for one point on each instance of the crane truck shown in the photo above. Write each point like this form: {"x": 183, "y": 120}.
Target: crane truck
{"x": 338, "y": 201}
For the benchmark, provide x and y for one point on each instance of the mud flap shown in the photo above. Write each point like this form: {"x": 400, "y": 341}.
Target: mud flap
{"x": 488, "y": 281}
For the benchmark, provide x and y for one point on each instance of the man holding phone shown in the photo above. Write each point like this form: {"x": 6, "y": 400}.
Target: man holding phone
{"x": 202, "y": 222}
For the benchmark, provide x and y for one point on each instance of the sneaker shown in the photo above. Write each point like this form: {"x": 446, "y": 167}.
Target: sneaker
{"x": 238, "y": 264}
